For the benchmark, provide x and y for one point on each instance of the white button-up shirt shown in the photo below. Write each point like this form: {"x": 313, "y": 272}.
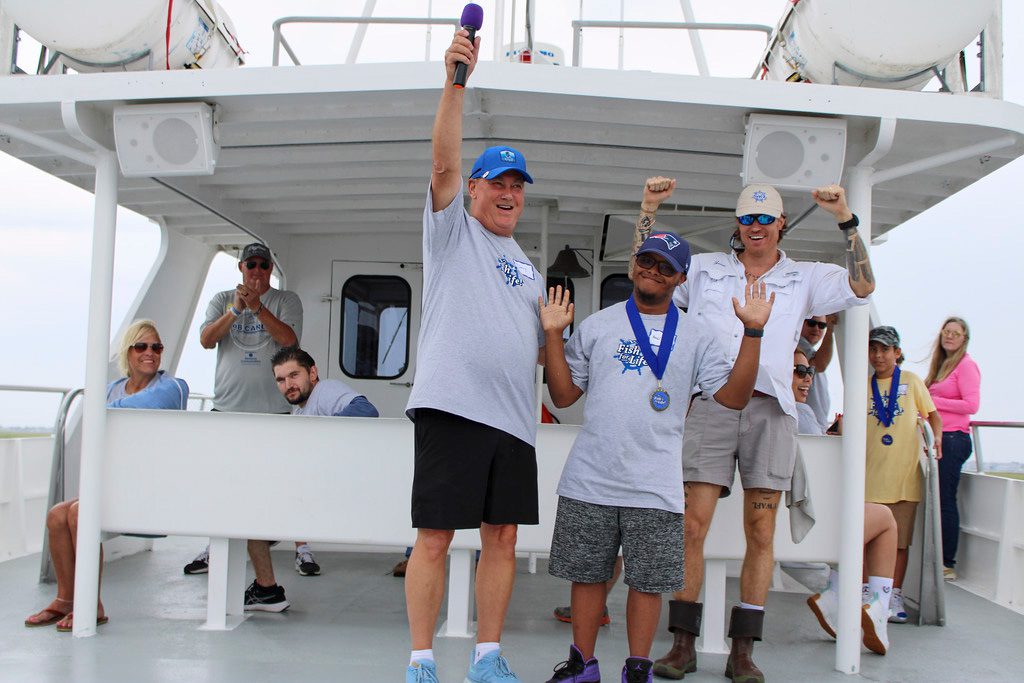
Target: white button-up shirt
{"x": 802, "y": 289}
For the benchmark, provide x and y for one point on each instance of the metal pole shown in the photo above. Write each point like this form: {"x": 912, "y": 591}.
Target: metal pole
{"x": 357, "y": 40}
{"x": 695, "y": 42}
{"x": 542, "y": 274}
{"x": 87, "y": 563}
{"x": 499, "y": 31}
{"x": 855, "y": 397}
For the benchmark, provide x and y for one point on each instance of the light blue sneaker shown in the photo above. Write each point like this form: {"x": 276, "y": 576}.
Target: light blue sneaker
{"x": 491, "y": 667}
{"x": 421, "y": 672}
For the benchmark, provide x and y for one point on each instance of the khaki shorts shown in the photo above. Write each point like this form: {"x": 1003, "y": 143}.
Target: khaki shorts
{"x": 905, "y": 511}
{"x": 761, "y": 438}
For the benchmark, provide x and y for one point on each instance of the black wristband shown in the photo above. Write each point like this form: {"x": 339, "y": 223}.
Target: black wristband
{"x": 751, "y": 332}
{"x": 850, "y": 224}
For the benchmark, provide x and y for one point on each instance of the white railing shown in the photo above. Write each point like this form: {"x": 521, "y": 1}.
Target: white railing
{"x": 991, "y": 552}
{"x": 976, "y": 438}
{"x": 361, "y": 23}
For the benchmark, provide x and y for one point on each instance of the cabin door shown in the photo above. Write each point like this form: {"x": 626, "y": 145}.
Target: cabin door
{"x": 375, "y": 321}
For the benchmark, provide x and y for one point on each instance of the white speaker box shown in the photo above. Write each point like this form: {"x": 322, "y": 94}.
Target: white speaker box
{"x": 174, "y": 139}
{"x": 793, "y": 152}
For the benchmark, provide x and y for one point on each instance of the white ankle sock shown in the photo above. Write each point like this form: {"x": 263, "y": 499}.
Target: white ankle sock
{"x": 865, "y": 593}
{"x": 421, "y": 656}
{"x": 747, "y": 605}
{"x": 881, "y": 589}
{"x": 484, "y": 649}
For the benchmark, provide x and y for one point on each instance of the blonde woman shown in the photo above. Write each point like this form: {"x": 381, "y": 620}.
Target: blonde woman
{"x": 954, "y": 382}
{"x": 144, "y": 385}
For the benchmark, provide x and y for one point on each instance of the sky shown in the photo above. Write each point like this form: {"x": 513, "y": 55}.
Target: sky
{"x": 949, "y": 260}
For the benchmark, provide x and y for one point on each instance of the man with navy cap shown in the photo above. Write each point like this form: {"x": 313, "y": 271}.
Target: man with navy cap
{"x": 761, "y": 438}
{"x": 622, "y": 484}
{"x": 474, "y": 397}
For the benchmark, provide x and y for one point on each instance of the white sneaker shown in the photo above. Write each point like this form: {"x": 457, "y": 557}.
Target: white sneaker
{"x": 897, "y": 613}
{"x": 825, "y": 606}
{"x": 873, "y": 622}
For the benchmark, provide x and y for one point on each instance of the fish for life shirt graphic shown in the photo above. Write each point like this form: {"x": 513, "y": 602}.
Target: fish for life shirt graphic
{"x": 627, "y": 453}
{"x": 515, "y": 271}
{"x": 249, "y": 335}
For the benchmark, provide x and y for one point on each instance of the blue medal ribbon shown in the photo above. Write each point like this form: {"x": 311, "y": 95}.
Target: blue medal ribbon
{"x": 657, "y": 363}
{"x": 885, "y": 411}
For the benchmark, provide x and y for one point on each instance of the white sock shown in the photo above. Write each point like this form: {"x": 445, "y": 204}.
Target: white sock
{"x": 865, "y": 594}
{"x": 484, "y": 649}
{"x": 881, "y": 589}
{"x": 304, "y": 548}
{"x": 421, "y": 656}
{"x": 747, "y": 605}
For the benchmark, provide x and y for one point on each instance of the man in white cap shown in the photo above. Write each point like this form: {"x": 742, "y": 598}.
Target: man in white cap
{"x": 761, "y": 438}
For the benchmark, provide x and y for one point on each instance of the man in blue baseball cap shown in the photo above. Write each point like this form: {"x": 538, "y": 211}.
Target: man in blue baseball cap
{"x": 473, "y": 398}
{"x": 622, "y": 484}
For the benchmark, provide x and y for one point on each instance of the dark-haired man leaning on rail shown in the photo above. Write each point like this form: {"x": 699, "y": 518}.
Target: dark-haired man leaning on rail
{"x": 761, "y": 438}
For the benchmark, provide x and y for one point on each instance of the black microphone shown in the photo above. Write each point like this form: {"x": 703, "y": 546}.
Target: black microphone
{"x": 472, "y": 20}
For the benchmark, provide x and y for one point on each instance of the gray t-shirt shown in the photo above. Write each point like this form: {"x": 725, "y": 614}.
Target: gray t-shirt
{"x": 817, "y": 398}
{"x": 244, "y": 381}
{"x": 328, "y": 398}
{"x": 626, "y": 454}
{"x": 806, "y": 421}
{"x": 480, "y": 332}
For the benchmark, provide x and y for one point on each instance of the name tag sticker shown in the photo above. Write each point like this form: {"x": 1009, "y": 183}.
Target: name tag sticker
{"x": 902, "y": 391}
{"x": 655, "y": 337}
{"x": 526, "y": 269}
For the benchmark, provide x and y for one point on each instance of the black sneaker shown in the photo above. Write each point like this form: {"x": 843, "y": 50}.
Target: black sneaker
{"x": 201, "y": 564}
{"x": 305, "y": 563}
{"x": 638, "y": 670}
{"x": 260, "y": 599}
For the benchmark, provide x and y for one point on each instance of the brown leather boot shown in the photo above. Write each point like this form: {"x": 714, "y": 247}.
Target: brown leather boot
{"x": 684, "y": 622}
{"x": 745, "y": 627}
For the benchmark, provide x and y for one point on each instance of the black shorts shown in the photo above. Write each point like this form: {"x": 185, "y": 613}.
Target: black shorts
{"x": 467, "y": 473}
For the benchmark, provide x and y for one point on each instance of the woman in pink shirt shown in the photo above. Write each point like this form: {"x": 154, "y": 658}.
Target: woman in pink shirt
{"x": 955, "y": 385}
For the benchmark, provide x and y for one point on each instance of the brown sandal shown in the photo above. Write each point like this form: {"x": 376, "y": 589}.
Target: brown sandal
{"x": 53, "y": 618}
{"x": 66, "y": 628}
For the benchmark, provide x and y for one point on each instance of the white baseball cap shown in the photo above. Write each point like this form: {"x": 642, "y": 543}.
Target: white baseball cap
{"x": 759, "y": 198}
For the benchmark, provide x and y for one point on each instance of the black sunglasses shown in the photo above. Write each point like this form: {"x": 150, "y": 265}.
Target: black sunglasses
{"x": 262, "y": 264}
{"x": 646, "y": 261}
{"x": 803, "y": 370}
{"x": 761, "y": 218}
{"x": 142, "y": 346}
{"x": 816, "y": 323}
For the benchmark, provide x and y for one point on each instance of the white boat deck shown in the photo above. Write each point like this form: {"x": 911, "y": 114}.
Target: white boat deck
{"x": 349, "y": 625}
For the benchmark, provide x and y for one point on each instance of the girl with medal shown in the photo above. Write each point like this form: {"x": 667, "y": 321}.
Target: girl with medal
{"x": 893, "y": 478}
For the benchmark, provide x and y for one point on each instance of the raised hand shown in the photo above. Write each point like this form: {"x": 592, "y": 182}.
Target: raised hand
{"x": 556, "y": 314}
{"x": 461, "y": 50}
{"x": 250, "y": 299}
{"x": 832, "y": 198}
{"x": 756, "y": 306}
{"x": 657, "y": 190}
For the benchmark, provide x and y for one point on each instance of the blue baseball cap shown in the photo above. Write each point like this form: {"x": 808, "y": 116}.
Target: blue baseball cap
{"x": 669, "y": 246}
{"x": 497, "y": 160}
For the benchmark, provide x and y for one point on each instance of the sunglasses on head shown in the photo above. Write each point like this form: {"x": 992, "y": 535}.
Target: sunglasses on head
{"x": 142, "y": 346}
{"x": 262, "y": 264}
{"x": 803, "y": 370}
{"x": 816, "y": 323}
{"x": 646, "y": 261}
{"x": 761, "y": 218}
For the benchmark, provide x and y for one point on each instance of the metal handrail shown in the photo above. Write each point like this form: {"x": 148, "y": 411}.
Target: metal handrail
{"x": 976, "y": 436}
{"x": 280, "y": 41}
{"x": 56, "y": 494}
{"x": 579, "y": 24}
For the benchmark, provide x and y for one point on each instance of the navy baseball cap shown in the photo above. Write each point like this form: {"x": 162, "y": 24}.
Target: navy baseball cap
{"x": 497, "y": 160}
{"x": 669, "y": 246}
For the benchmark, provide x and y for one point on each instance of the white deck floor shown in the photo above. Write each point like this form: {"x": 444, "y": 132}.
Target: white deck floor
{"x": 349, "y": 625}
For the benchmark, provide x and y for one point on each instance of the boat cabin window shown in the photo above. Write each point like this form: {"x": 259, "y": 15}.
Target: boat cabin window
{"x": 375, "y": 326}
{"x": 615, "y": 288}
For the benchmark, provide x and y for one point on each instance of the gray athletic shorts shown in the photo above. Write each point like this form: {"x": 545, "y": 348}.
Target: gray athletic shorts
{"x": 761, "y": 437}
{"x": 587, "y": 537}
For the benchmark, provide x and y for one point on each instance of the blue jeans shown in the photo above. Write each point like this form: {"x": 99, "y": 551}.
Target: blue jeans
{"x": 956, "y": 448}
